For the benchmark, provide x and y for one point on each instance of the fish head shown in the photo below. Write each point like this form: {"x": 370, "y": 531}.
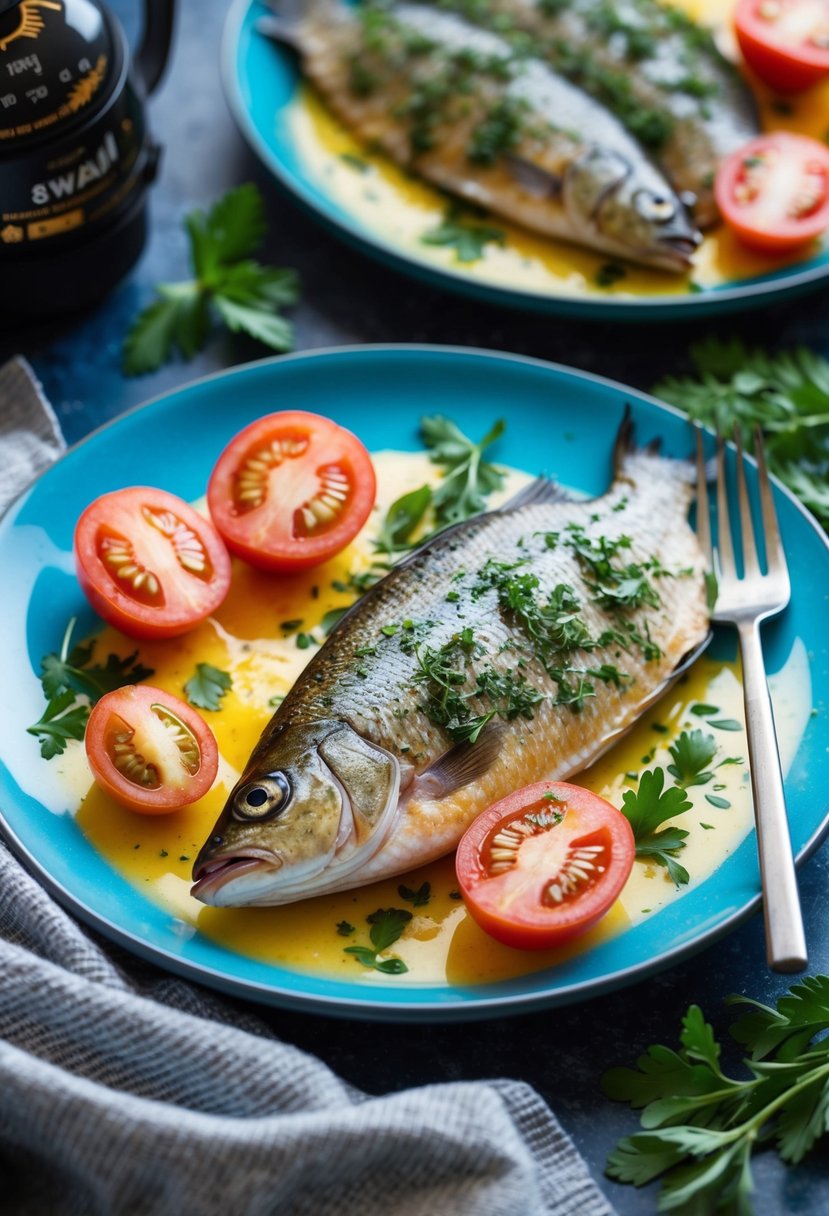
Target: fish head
{"x": 315, "y": 801}
{"x": 632, "y": 209}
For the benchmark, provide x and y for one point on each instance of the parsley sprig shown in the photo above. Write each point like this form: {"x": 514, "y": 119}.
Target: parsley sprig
{"x": 702, "y": 1126}
{"x": 227, "y": 284}
{"x": 387, "y": 924}
{"x": 207, "y": 686}
{"x": 468, "y": 477}
{"x": 462, "y": 231}
{"x": 786, "y": 394}
{"x": 468, "y": 481}
{"x": 647, "y": 808}
{"x": 69, "y": 675}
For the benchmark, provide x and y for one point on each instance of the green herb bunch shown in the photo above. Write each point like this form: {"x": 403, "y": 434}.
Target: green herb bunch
{"x": 786, "y": 395}
{"x": 701, "y": 1126}
{"x": 228, "y": 285}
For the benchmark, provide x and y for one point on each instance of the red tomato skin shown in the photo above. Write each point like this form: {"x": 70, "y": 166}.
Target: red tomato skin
{"x": 793, "y": 234}
{"x": 784, "y": 68}
{"x": 288, "y": 555}
{"x": 137, "y": 698}
{"x": 119, "y": 609}
{"x": 570, "y": 920}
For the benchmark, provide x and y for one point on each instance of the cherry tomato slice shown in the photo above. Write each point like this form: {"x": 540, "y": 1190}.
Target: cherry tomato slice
{"x": 544, "y": 864}
{"x": 291, "y": 490}
{"x": 149, "y": 750}
{"x": 786, "y": 42}
{"x": 774, "y": 192}
{"x": 148, "y": 563}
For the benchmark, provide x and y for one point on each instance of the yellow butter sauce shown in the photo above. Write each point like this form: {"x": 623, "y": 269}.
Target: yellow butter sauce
{"x": 441, "y": 944}
{"x": 397, "y": 208}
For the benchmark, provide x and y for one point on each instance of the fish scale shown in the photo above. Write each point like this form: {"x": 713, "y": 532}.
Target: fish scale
{"x": 362, "y": 697}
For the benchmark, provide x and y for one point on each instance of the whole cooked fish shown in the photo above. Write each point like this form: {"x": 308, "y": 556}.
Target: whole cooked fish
{"x": 514, "y": 647}
{"x": 458, "y": 105}
{"x": 652, "y": 66}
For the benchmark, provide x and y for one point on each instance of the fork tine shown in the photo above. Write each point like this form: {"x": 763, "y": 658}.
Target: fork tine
{"x": 775, "y": 554}
{"x": 725, "y": 549}
{"x": 703, "y": 510}
{"x": 750, "y": 562}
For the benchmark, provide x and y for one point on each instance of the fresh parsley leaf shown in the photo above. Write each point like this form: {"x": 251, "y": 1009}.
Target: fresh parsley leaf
{"x": 468, "y": 478}
{"x": 701, "y": 1126}
{"x": 354, "y": 162}
{"x": 608, "y": 274}
{"x": 468, "y": 238}
{"x": 651, "y": 804}
{"x": 178, "y": 319}
{"x": 721, "y": 804}
{"x": 647, "y": 808}
{"x": 662, "y": 847}
{"x": 785, "y": 393}
{"x": 207, "y": 686}
{"x": 704, "y": 711}
{"x": 232, "y": 229}
{"x": 386, "y": 926}
{"x": 419, "y": 898}
{"x": 363, "y": 954}
{"x": 62, "y": 720}
{"x": 227, "y": 284}
{"x": 73, "y": 669}
{"x": 725, "y": 724}
{"x": 691, "y": 753}
{"x": 402, "y": 518}
{"x": 69, "y": 674}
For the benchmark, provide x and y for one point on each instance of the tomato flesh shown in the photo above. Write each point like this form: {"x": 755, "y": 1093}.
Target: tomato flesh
{"x": 544, "y": 864}
{"x": 786, "y": 42}
{"x": 148, "y": 563}
{"x": 149, "y": 750}
{"x": 774, "y": 192}
{"x": 291, "y": 490}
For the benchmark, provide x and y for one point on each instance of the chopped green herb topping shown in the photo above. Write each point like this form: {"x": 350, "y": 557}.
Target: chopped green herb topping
{"x": 207, "y": 686}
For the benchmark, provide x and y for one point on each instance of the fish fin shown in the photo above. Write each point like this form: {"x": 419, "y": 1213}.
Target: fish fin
{"x": 634, "y": 464}
{"x": 542, "y": 490}
{"x": 464, "y": 763}
{"x": 532, "y": 179}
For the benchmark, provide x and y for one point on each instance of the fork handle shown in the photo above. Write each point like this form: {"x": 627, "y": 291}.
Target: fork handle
{"x": 785, "y": 938}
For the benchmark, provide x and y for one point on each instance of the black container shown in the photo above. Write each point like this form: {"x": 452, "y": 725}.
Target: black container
{"x": 76, "y": 158}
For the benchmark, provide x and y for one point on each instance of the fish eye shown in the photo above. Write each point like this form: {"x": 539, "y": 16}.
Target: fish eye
{"x": 262, "y": 799}
{"x": 655, "y": 207}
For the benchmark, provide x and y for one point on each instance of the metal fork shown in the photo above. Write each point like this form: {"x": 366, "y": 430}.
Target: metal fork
{"x": 745, "y": 602}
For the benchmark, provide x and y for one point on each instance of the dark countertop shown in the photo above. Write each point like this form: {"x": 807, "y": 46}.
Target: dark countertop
{"x": 346, "y": 300}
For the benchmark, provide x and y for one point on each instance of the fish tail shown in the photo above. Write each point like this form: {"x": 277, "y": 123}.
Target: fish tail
{"x": 637, "y": 464}
{"x": 287, "y": 18}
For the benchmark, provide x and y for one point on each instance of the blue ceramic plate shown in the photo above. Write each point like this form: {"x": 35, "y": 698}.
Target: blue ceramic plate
{"x": 261, "y": 80}
{"x": 553, "y": 413}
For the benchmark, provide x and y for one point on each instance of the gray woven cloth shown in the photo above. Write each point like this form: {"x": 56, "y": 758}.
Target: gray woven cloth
{"x": 123, "y": 1090}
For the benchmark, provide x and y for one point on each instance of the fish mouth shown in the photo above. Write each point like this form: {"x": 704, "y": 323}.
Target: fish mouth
{"x": 213, "y": 875}
{"x": 680, "y": 248}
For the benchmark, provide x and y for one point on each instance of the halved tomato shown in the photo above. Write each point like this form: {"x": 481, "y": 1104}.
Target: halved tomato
{"x": 149, "y": 750}
{"x": 774, "y": 192}
{"x": 148, "y": 563}
{"x": 786, "y": 42}
{"x": 291, "y": 490}
{"x": 544, "y": 864}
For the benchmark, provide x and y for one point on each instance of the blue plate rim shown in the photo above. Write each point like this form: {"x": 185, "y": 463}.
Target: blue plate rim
{"x": 472, "y": 1008}
{"x": 752, "y": 293}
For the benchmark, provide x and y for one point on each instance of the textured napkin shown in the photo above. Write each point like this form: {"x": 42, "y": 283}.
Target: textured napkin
{"x": 124, "y": 1091}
